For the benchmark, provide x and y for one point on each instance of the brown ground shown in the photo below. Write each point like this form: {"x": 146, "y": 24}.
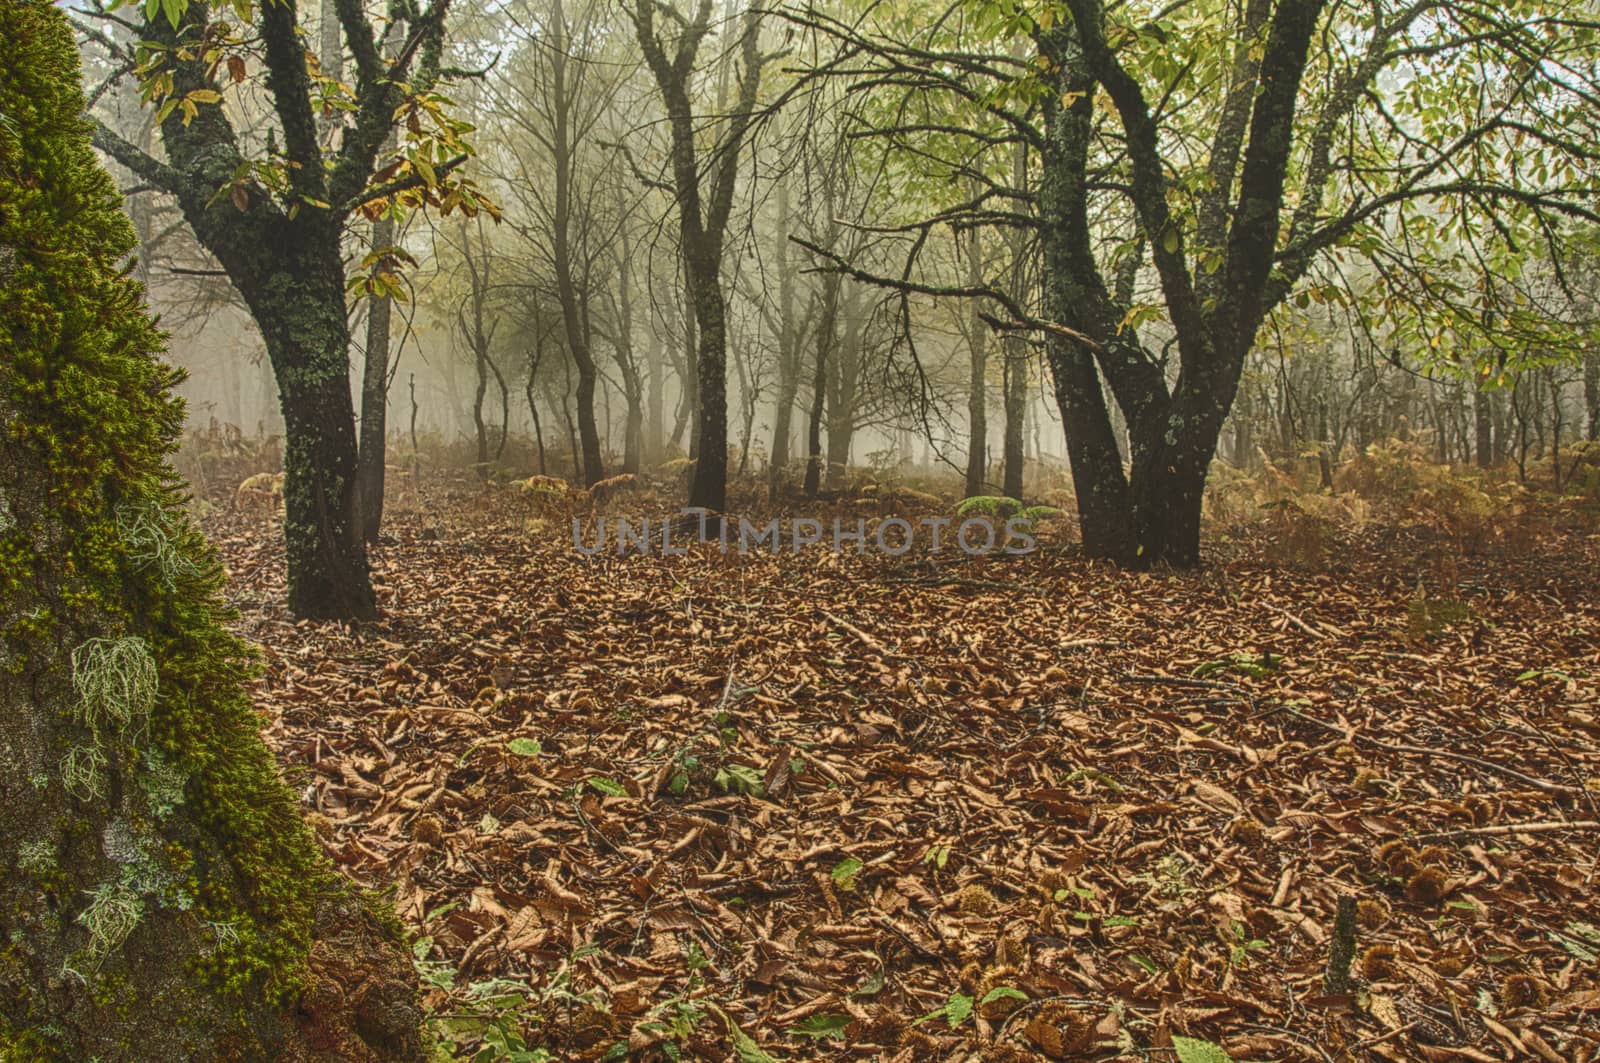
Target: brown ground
{"x": 1103, "y": 810}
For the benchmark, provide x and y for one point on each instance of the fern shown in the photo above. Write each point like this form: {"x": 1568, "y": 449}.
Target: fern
{"x": 1000, "y": 507}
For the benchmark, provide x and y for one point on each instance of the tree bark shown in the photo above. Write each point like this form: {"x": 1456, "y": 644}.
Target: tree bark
{"x": 977, "y": 371}
{"x": 1483, "y": 424}
{"x": 375, "y": 399}
{"x": 300, "y": 309}
{"x": 827, "y": 327}
{"x": 1591, "y": 392}
{"x": 703, "y": 219}
{"x": 375, "y": 371}
{"x": 574, "y": 309}
{"x": 788, "y": 348}
{"x": 160, "y": 897}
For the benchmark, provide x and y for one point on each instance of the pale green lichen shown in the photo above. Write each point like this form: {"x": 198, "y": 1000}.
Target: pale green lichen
{"x": 163, "y": 783}
{"x": 83, "y": 772}
{"x": 36, "y": 857}
{"x": 114, "y": 910}
{"x": 153, "y": 540}
{"x": 115, "y": 680}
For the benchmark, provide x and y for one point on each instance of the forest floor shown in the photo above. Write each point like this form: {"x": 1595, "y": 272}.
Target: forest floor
{"x": 750, "y": 807}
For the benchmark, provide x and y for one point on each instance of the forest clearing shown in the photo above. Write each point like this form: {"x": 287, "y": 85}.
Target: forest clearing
{"x": 933, "y": 531}
{"x": 1068, "y": 811}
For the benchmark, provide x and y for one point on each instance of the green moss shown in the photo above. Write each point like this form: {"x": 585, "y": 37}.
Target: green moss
{"x": 120, "y": 572}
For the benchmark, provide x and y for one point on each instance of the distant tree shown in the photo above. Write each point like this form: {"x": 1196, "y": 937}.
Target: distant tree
{"x": 273, "y": 211}
{"x": 703, "y": 185}
{"x": 162, "y": 897}
{"x": 1242, "y": 156}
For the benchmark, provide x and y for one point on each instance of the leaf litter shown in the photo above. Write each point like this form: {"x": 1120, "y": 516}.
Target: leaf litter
{"x": 751, "y": 807}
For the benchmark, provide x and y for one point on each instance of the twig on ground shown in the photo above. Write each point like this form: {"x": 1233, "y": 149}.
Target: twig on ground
{"x": 865, "y": 639}
{"x": 1500, "y": 829}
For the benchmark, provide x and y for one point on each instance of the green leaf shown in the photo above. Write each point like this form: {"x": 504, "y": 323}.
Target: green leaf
{"x": 958, "y": 1010}
{"x": 1000, "y": 991}
{"x": 1194, "y": 1050}
{"x": 524, "y": 747}
{"x": 609, "y": 787}
{"x": 844, "y": 873}
{"x": 821, "y": 1026}
{"x": 743, "y": 1044}
{"x": 738, "y": 779}
{"x": 872, "y": 986}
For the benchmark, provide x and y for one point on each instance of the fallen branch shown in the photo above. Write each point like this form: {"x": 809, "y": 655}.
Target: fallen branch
{"x": 1500, "y": 829}
{"x": 1296, "y": 621}
{"x": 865, "y": 639}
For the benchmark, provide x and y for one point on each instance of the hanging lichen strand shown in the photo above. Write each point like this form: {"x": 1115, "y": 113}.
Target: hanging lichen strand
{"x": 163, "y": 894}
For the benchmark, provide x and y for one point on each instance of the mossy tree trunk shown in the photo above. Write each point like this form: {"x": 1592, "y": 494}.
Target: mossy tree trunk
{"x": 295, "y": 291}
{"x": 1150, "y": 513}
{"x": 275, "y": 226}
{"x": 161, "y": 897}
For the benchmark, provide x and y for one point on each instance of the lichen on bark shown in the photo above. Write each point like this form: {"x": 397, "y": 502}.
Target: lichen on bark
{"x": 164, "y": 898}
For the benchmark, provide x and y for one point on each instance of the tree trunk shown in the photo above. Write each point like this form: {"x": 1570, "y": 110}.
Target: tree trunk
{"x": 788, "y": 349}
{"x": 162, "y": 898}
{"x": 1104, "y": 515}
{"x": 538, "y": 429}
{"x": 572, "y": 315}
{"x": 655, "y": 401}
{"x": 301, "y": 314}
{"x": 574, "y": 305}
{"x": 375, "y": 372}
{"x": 827, "y": 323}
{"x": 1016, "y": 401}
{"x": 977, "y": 370}
{"x": 1016, "y": 351}
{"x": 1483, "y": 423}
{"x": 375, "y": 399}
{"x": 1591, "y": 392}
{"x": 480, "y": 363}
{"x": 709, "y": 489}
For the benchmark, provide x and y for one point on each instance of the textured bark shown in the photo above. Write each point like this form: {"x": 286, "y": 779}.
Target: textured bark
{"x": 1016, "y": 406}
{"x": 655, "y": 401}
{"x": 827, "y": 339}
{"x": 282, "y": 251}
{"x": 307, "y": 340}
{"x": 1591, "y": 393}
{"x": 1152, "y": 515}
{"x": 160, "y": 897}
{"x": 375, "y": 371}
{"x": 1016, "y": 350}
{"x": 1483, "y": 427}
{"x": 703, "y": 215}
{"x": 977, "y": 373}
{"x": 574, "y": 307}
{"x": 786, "y": 331}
